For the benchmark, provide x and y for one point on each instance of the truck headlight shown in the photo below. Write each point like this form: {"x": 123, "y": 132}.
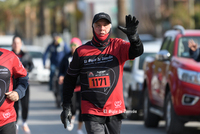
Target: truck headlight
{"x": 189, "y": 76}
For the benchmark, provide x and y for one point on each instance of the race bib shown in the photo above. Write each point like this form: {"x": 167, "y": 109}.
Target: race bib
{"x": 99, "y": 79}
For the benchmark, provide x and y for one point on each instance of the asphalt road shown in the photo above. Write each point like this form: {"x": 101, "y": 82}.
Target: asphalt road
{"x": 44, "y": 117}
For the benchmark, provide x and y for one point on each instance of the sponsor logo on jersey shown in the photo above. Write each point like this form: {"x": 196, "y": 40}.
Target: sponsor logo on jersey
{"x": 118, "y": 104}
{"x": 6, "y": 115}
{"x": 3, "y": 71}
{"x": 90, "y": 74}
{"x": 99, "y": 60}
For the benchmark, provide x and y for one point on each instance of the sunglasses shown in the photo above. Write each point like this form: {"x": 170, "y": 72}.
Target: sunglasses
{"x": 73, "y": 44}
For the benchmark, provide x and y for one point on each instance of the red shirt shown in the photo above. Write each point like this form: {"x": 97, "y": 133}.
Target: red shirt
{"x": 101, "y": 72}
{"x": 9, "y": 65}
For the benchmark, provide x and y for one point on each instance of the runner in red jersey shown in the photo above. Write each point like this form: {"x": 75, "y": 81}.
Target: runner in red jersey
{"x": 100, "y": 63}
{"x": 10, "y": 66}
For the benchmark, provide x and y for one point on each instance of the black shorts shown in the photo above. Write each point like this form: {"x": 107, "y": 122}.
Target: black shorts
{"x": 112, "y": 127}
{"x": 9, "y": 128}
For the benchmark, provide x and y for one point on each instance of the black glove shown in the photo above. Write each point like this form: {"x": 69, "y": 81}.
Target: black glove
{"x": 131, "y": 25}
{"x": 66, "y": 114}
{"x": 131, "y": 28}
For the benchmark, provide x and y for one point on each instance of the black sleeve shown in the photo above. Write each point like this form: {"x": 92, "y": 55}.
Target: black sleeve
{"x": 136, "y": 49}
{"x": 195, "y": 54}
{"x": 21, "y": 86}
{"x": 68, "y": 88}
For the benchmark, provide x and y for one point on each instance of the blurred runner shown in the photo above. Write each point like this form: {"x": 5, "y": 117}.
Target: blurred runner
{"x": 27, "y": 62}
{"x": 57, "y": 49}
{"x": 10, "y": 66}
{"x": 76, "y": 100}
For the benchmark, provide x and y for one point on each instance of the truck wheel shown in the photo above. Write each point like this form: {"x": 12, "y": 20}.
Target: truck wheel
{"x": 173, "y": 124}
{"x": 150, "y": 119}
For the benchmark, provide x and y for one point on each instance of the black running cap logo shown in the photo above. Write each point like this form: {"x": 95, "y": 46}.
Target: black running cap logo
{"x": 102, "y": 16}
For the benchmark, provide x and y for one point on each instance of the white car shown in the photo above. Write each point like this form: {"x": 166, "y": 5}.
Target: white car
{"x": 6, "y": 41}
{"x": 133, "y": 79}
{"x": 39, "y": 73}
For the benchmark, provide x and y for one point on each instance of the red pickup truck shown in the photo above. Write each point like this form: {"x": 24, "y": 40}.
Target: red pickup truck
{"x": 172, "y": 82}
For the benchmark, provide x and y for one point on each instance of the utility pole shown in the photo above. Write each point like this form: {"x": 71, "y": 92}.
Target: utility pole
{"x": 41, "y": 17}
{"x": 121, "y": 17}
{"x": 27, "y": 23}
{"x": 158, "y": 16}
{"x": 191, "y": 13}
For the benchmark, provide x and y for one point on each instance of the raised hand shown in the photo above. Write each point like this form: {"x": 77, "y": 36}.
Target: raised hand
{"x": 192, "y": 45}
{"x": 131, "y": 25}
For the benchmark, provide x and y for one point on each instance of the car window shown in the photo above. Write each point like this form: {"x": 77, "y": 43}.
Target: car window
{"x": 183, "y": 49}
{"x": 142, "y": 57}
{"x": 35, "y": 54}
{"x": 171, "y": 47}
{"x": 165, "y": 43}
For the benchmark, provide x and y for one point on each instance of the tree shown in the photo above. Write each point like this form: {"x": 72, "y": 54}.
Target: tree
{"x": 180, "y": 16}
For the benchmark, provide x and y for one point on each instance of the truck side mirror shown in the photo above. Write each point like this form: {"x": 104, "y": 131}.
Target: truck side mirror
{"x": 163, "y": 55}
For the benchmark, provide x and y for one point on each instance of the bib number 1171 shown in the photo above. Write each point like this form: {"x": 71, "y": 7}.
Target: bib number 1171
{"x": 99, "y": 82}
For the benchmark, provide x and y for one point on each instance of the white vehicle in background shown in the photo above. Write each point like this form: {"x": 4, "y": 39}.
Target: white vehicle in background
{"x": 39, "y": 73}
{"x": 133, "y": 79}
{"x": 6, "y": 41}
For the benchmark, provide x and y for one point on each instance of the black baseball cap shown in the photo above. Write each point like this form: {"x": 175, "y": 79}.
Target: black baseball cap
{"x": 101, "y": 15}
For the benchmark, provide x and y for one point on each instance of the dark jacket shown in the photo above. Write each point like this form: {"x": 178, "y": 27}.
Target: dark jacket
{"x": 195, "y": 54}
{"x": 27, "y": 62}
{"x": 56, "y": 52}
{"x": 64, "y": 64}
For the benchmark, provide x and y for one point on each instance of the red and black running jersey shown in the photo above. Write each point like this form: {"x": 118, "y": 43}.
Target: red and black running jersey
{"x": 9, "y": 65}
{"x": 101, "y": 72}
